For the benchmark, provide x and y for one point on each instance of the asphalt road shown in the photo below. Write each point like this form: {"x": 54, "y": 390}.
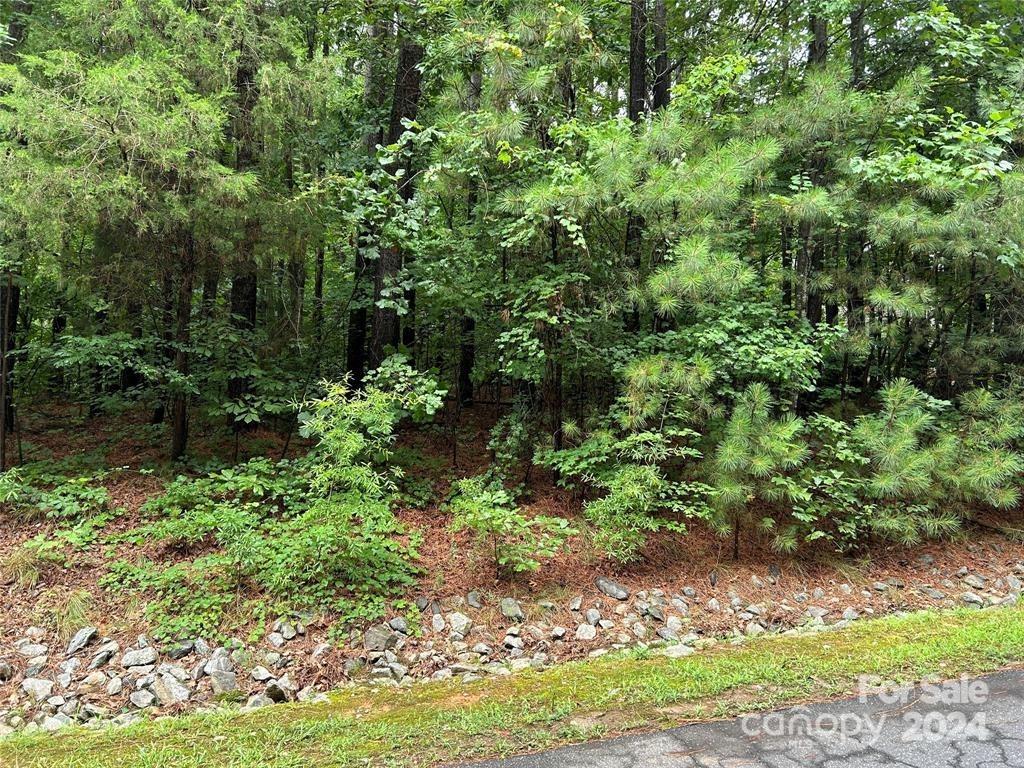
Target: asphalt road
{"x": 975, "y": 723}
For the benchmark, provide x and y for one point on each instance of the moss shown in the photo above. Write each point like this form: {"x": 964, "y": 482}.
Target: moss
{"x": 438, "y": 722}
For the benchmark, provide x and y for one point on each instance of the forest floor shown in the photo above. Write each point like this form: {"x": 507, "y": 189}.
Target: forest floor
{"x": 884, "y": 581}
{"x": 445, "y": 722}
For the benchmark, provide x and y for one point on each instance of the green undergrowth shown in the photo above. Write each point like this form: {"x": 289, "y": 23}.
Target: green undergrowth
{"x": 439, "y": 723}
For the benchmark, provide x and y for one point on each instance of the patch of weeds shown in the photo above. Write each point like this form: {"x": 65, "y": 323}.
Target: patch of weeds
{"x": 37, "y": 492}
{"x": 24, "y": 566}
{"x": 187, "y": 600}
{"x": 65, "y": 611}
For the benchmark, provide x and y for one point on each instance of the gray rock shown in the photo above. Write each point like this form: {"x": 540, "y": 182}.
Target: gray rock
{"x": 880, "y": 586}
{"x": 261, "y": 674}
{"x": 101, "y": 659}
{"x": 169, "y": 690}
{"x": 933, "y": 593}
{"x": 969, "y": 598}
{"x": 115, "y": 686}
{"x": 713, "y": 605}
{"x": 37, "y": 688}
{"x": 275, "y": 639}
{"x": 754, "y": 629}
{"x": 974, "y": 582}
{"x": 576, "y": 603}
{"x": 220, "y": 661}
{"x": 139, "y": 658}
{"x": 180, "y": 649}
{"x": 142, "y": 699}
{"x": 1013, "y": 583}
{"x": 82, "y": 638}
{"x": 850, "y": 614}
{"x": 668, "y": 633}
{"x": 558, "y": 632}
{"x": 399, "y": 624}
{"x": 677, "y": 651}
{"x": 586, "y": 632}
{"x": 611, "y": 588}
{"x": 593, "y": 616}
{"x": 258, "y": 700}
{"x": 55, "y": 723}
{"x": 689, "y": 592}
{"x": 437, "y": 622}
{"x": 223, "y": 682}
{"x": 460, "y": 623}
{"x": 29, "y": 649}
{"x": 511, "y": 609}
{"x": 379, "y": 638}
{"x": 287, "y": 629}
{"x": 474, "y": 600}
{"x": 353, "y": 667}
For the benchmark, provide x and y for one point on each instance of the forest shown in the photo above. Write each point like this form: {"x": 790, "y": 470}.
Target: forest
{"x": 309, "y": 308}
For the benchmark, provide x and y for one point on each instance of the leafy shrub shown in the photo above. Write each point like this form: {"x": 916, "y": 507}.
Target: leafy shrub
{"x": 43, "y": 494}
{"x": 517, "y": 543}
{"x": 316, "y": 533}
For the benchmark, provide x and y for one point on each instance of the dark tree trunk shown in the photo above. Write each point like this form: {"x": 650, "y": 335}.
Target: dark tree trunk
{"x": 355, "y": 346}
{"x": 467, "y": 358}
{"x": 166, "y": 333}
{"x": 318, "y": 306}
{"x": 815, "y": 257}
{"x": 244, "y": 283}
{"x": 662, "y": 76}
{"x": 636, "y": 107}
{"x": 404, "y": 106}
{"x": 857, "y": 46}
{"x": 182, "y": 336}
{"x": 637, "y": 104}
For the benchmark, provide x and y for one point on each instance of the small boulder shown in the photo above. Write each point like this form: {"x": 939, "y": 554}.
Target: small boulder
{"x": 379, "y": 638}
{"x": 169, "y": 690}
{"x": 612, "y": 588}
{"x": 139, "y": 658}
{"x": 223, "y": 682}
{"x": 82, "y": 638}
{"x": 586, "y": 632}
{"x": 142, "y": 699}
{"x": 511, "y": 609}
{"x": 460, "y": 623}
{"x": 37, "y": 688}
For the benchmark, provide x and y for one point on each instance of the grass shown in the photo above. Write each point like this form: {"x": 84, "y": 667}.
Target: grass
{"x": 443, "y": 722}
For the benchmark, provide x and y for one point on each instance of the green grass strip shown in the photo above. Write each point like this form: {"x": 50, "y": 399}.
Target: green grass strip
{"x": 443, "y": 722}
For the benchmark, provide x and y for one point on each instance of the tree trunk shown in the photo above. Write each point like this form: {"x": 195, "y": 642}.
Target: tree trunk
{"x": 815, "y": 258}
{"x": 467, "y": 358}
{"x": 637, "y": 105}
{"x": 857, "y": 46}
{"x": 244, "y": 283}
{"x": 662, "y": 76}
{"x": 404, "y": 106}
{"x": 182, "y": 336}
{"x": 355, "y": 346}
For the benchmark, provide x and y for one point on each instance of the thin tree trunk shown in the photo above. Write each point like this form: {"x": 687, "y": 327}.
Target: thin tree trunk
{"x": 244, "y": 281}
{"x": 636, "y": 108}
{"x": 182, "y": 337}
